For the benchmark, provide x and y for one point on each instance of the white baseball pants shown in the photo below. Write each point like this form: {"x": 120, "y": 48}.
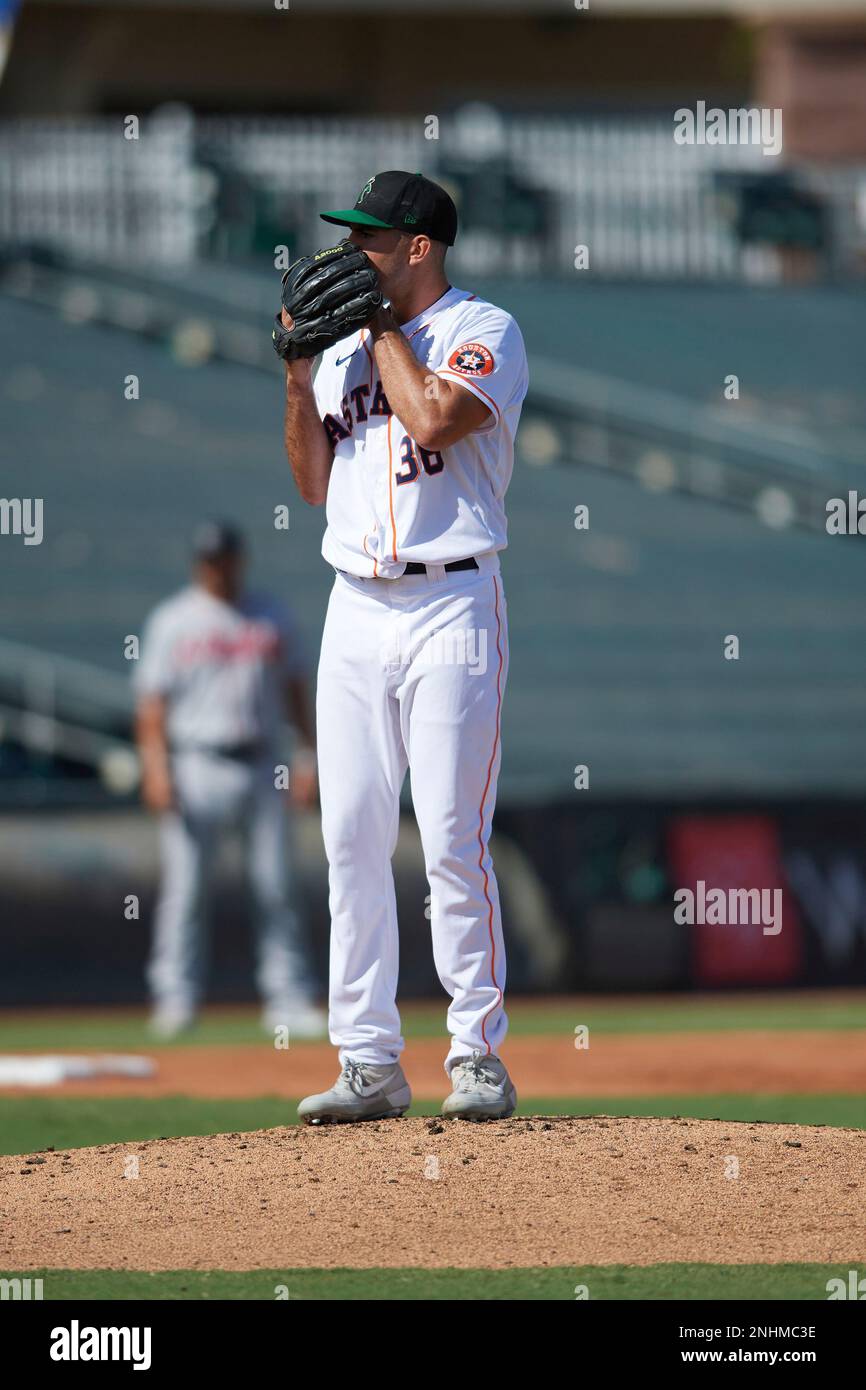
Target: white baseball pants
{"x": 412, "y": 674}
{"x": 216, "y": 794}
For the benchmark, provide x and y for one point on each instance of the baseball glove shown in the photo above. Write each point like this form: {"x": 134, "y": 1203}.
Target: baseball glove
{"x": 328, "y": 296}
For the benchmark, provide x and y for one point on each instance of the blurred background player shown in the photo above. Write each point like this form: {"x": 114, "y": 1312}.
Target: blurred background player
{"x": 219, "y": 669}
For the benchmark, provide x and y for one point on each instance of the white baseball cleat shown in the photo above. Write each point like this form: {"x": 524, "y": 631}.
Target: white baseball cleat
{"x": 361, "y": 1092}
{"x": 483, "y": 1090}
{"x": 308, "y": 1022}
{"x": 303, "y": 1021}
{"x": 170, "y": 1021}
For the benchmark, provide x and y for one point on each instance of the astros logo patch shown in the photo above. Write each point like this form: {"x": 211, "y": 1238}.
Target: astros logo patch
{"x": 472, "y": 359}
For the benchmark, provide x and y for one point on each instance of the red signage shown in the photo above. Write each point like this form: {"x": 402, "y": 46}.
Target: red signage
{"x": 731, "y": 894}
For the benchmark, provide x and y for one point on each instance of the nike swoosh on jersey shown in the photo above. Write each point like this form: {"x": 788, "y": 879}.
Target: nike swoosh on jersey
{"x": 340, "y": 360}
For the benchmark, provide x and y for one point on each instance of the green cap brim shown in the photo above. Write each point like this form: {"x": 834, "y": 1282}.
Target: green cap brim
{"x": 350, "y": 217}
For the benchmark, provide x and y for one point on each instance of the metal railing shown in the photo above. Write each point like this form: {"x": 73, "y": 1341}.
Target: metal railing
{"x": 59, "y": 710}
{"x": 643, "y": 205}
{"x": 665, "y": 443}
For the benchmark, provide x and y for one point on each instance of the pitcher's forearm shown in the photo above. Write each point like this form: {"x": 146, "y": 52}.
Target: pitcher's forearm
{"x": 308, "y": 448}
{"x": 435, "y": 412}
{"x": 408, "y": 386}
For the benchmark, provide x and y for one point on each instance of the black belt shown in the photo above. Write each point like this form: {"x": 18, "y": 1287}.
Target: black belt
{"x": 414, "y": 568}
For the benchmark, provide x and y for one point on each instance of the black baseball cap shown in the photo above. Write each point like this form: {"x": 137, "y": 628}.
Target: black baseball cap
{"x": 213, "y": 539}
{"x": 407, "y": 202}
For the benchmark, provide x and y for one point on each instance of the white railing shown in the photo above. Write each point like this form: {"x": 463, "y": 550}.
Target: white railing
{"x": 643, "y": 205}
{"x": 80, "y": 185}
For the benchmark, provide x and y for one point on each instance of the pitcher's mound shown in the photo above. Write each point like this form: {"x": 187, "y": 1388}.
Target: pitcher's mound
{"x": 537, "y": 1191}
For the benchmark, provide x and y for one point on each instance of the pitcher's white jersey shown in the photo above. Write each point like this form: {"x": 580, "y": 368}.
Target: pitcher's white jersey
{"x": 391, "y": 501}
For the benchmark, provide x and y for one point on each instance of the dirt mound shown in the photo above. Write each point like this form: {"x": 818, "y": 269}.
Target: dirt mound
{"x": 554, "y": 1191}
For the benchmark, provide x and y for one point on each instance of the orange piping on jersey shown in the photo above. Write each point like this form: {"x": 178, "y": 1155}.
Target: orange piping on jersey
{"x": 391, "y": 492}
{"x": 470, "y": 383}
{"x": 372, "y": 557}
{"x": 481, "y": 845}
{"x": 363, "y": 343}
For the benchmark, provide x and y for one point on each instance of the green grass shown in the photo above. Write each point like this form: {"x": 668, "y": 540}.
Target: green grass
{"x": 669, "y": 1281}
{"x": 127, "y": 1031}
{"x": 35, "y": 1122}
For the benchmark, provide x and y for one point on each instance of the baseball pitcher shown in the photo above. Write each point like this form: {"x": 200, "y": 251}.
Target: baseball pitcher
{"x": 407, "y": 435}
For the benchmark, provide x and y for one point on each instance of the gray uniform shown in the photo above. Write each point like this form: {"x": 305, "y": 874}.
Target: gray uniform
{"x": 222, "y": 670}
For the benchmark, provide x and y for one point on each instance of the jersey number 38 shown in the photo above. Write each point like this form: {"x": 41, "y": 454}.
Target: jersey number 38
{"x": 410, "y": 453}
